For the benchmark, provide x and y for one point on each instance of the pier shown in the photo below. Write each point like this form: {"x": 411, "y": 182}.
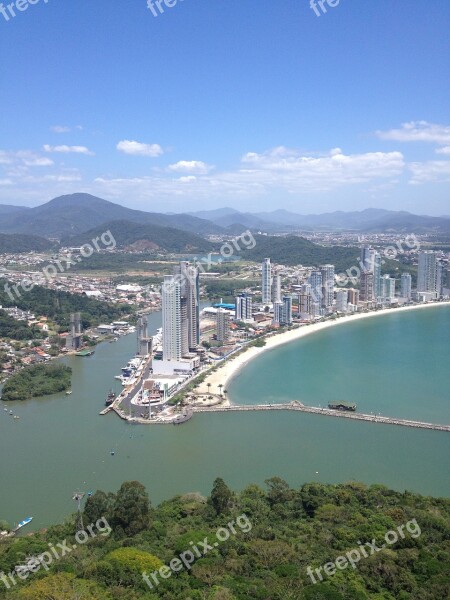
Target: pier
{"x": 298, "y": 406}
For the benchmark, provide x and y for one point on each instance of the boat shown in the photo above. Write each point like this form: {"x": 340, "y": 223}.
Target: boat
{"x": 23, "y": 523}
{"x": 345, "y": 406}
{"x": 68, "y": 393}
{"x": 85, "y": 353}
{"x": 110, "y": 398}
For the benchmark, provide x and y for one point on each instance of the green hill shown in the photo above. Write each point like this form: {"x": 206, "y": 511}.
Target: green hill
{"x": 144, "y": 237}
{"x": 294, "y": 250}
{"x": 15, "y": 243}
{"x": 367, "y": 543}
{"x": 77, "y": 213}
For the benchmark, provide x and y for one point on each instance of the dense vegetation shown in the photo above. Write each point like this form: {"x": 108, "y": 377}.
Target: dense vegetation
{"x": 127, "y": 233}
{"x": 37, "y": 380}
{"x": 124, "y": 262}
{"x": 59, "y": 305}
{"x": 15, "y": 244}
{"x": 291, "y": 529}
{"x": 17, "y": 330}
{"x": 294, "y": 250}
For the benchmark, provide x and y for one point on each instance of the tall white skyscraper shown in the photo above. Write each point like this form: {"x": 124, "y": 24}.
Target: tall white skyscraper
{"x": 387, "y": 287}
{"x": 276, "y": 288}
{"x": 171, "y": 318}
{"x": 278, "y": 313}
{"x": 315, "y": 281}
{"x": 266, "y": 281}
{"x": 405, "y": 286}
{"x": 427, "y": 272}
{"x": 342, "y": 301}
{"x": 327, "y": 285}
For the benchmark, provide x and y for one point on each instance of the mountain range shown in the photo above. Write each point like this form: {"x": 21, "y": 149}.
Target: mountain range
{"x": 368, "y": 220}
{"x": 79, "y": 213}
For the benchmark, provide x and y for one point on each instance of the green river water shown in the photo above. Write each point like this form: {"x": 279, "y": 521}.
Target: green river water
{"x": 395, "y": 364}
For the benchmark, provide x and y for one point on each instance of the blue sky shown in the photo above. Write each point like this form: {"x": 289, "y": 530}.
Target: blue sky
{"x": 253, "y": 104}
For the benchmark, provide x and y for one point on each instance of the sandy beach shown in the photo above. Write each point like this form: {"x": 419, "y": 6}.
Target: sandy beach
{"x": 230, "y": 367}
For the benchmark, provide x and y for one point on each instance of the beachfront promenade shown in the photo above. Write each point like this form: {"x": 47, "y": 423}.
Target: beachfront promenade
{"x": 295, "y": 405}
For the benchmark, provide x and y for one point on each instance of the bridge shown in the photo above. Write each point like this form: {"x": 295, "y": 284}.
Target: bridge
{"x": 298, "y": 406}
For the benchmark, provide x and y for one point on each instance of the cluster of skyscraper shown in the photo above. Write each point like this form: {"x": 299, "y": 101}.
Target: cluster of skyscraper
{"x": 271, "y": 294}
{"x": 319, "y": 295}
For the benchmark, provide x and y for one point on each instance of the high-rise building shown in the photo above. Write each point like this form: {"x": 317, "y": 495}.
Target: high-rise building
{"x": 353, "y": 296}
{"x": 188, "y": 278}
{"x": 171, "y": 318}
{"x": 342, "y": 300}
{"x": 440, "y": 278}
{"x": 304, "y": 306}
{"x": 315, "y": 281}
{"x": 276, "y": 288}
{"x": 387, "y": 287}
{"x": 278, "y": 313}
{"x": 405, "y": 286}
{"x": 266, "y": 281}
{"x": 371, "y": 262}
{"x": 427, "y": 272}
{"x": 366, "y": 292}
{"x": 243, "y": 307}
{"x": 223, "y": 325}
{"x": 287, "y": 310}
{"x": 327, "y": 272}
{"x": 74, "y": 339}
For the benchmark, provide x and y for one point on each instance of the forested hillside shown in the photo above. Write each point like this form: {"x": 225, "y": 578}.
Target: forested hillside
{"x": 256, "y": 544}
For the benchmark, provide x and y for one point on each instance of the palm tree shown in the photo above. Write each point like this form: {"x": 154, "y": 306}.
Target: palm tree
{"x": 208, "y": 385}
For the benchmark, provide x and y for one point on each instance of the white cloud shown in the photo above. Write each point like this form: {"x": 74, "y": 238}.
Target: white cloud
{"x": 25, "y": 158}
{"x": 196, "y": 167}
{"x": 68, "y": 149}
{"x": 418, "y": 131}
{"x": 431, "y": 171}
{"x": 444, "y": 150}
{"x": 60, "y": 129}
{"x": 276, "y": 171}
{"x": 297, "y": 171}
{"x": 139, "y": 149}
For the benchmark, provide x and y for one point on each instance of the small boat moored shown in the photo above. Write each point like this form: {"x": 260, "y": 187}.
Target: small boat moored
{"x": 22, "y": 524}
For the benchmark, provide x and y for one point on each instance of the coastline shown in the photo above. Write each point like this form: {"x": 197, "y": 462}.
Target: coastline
{"x": 230, "y": 369}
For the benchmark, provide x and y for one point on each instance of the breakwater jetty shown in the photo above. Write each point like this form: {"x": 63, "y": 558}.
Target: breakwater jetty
{"x": 298, "y": 406}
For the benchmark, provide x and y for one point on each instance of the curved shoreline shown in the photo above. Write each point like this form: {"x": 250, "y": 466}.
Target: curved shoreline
{"x": 231, "y": 367}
